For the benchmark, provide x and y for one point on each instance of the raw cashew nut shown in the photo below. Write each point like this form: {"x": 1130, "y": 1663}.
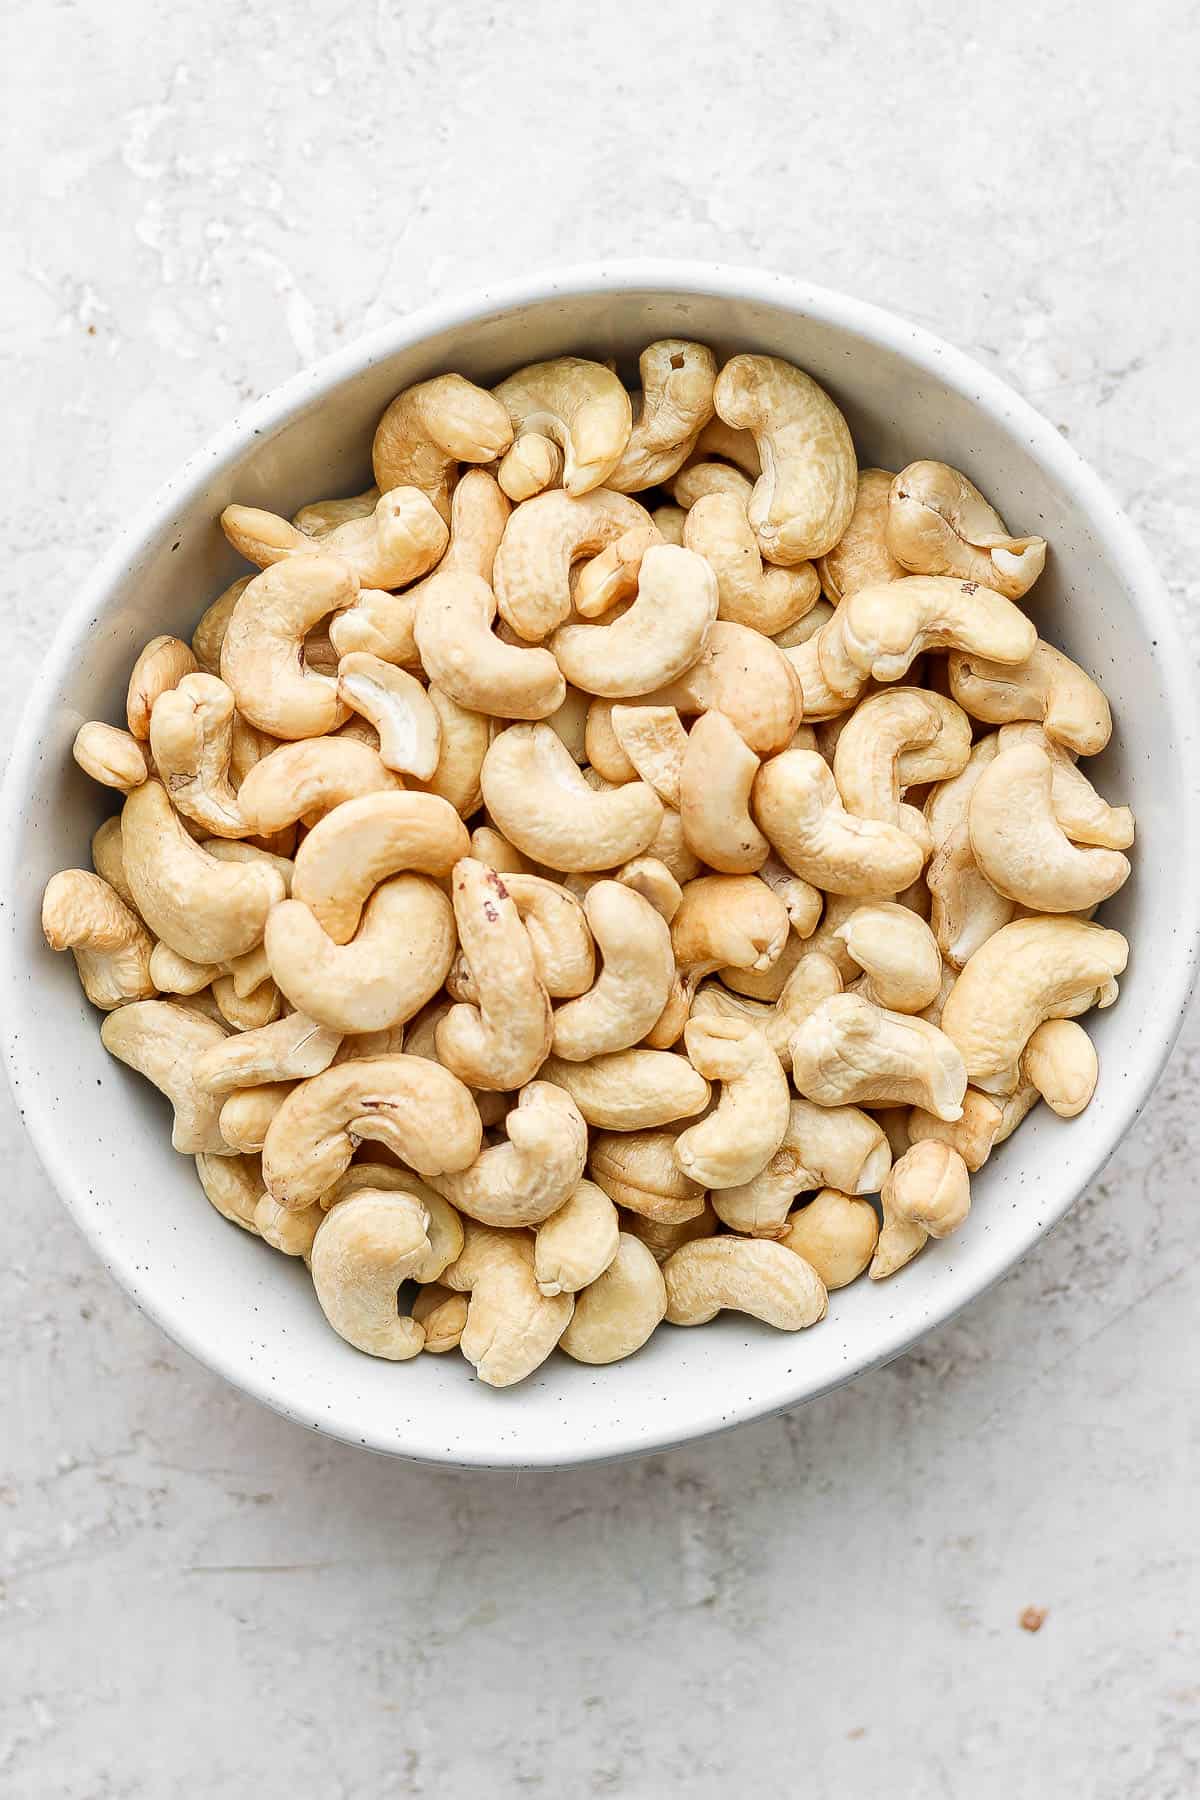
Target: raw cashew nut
{"x": 802, "y": 899}
{"x": 812, "y": 980}
{"x": 797, "y": 804}
{"x": 736, "y": 447}
{"x": 878, "y": 631}
{"x": 396, "y": 704}
{"x": 364, "y": 1249}
{"x": 251, "y": 1012}
{"x": 867, "y": 760}
{"x": 804, "y": 498}
{"x": 287, "y": 1050}
{"x": 262, "y": 656}
{"x": 835, "y": 1146}
{"x": 511, "y": 1326}
{"x": 737, "y": 1140}
{"x": 247, "y": 1113}
{"x": 541, "y": 541}
{"x": 728, "y": 921}
{"x": 362, "y": 842}
{"x": 836, "y": 1235}
{"x": 938, "y": 523}
{"x": 748, "y": 1275}
{"x": 1060, "y": 1062}
{"x": 1021, "y": 848}
{"x": 974, "y": 1136}
{"x": 612, "y": 576}
{"x": 740, "y": 673}
{"x": 174, "y": 974}
{"x": 160, "y": 667}
{"x": 654, "y": 882}
{"x": 558, "y": 931}
{"x": 716, "y": 780}
{"x": 638, "y": 1171}
{"x": 966, "y": 909}
{"x": 191, "y": 736}
{"x": 634, "y": 981}
{"x": 852, "y": 1052}
{"x": 861, "y": 556}
{"x": 1046, "y": 687}
{"x": 443, "y": 1314}
{"x": 577, "y": 1243}
{"x": 465, "y": 657}
{"x": 443, "y": 1227}
{"x": 631, "y": 1090}
{"x": 209, "y": 634}
{"x": 108, "y": 857}
{"x": 663, "y": 1240}
{"x": 1031, "y": 970}
{"x": 619, "y": 1311}
{"x": 430, "y": 428}
{"x": 402, "y": 539}
{"x": 795, "y": 635}
{"x": 233, "y": 1186}
{"x": 1085, "y": 816}
{"x": 110, "y": 756}
{"x": 660, "y": 636}
{"x": 765, "y": 598}
{"x": 465, "y": 739}
{"x": 320, "y": 517}
{"x": 533, "y": 1174}
{"x": 581, "y": 406}
{"x": 898, "y": 954}
{"x": 313, "y": 777}
{"x": 533, "y": 464}
{"x": 539, "y": 799}
{"x": 163, "y": 1042}
{"x": 501, "y": 1042}
{"x": 675, "y": 403}
{"x": 290, "y": 1233}
{"x": 113, "y": 950}
{"x": 927, "y": 1193}
{"x": 654, "y": 743}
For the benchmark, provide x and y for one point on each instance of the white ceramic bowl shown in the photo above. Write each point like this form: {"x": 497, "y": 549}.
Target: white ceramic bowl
{"x": 103, "y": 1134}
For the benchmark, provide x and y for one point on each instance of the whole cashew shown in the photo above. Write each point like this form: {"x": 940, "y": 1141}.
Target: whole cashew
{"x": 620, "y": 1310}
{"x": 898, "y": 954}
{"x": 577, "y": 1243}
{"x": 465, "y": 739}
{"x": 1084, "y": 815}
{"x": 541, "y": 802}
{"x": 741, "y": 1135}
{"x": 161, "y": 666}
{"x": 511, "y": 1326}
{"x": 541, "y": 541}
{"x": 402, "y": 539}
{"x": 867, "y": 760}
{"x": 732, "y": 446}
{"x": 797, "y": 805}
{"x": 660, "y": 636}
{"x": 261, "y": 653}
{"x": 818, "y": 700}
{"x": 634, "y": 982}
{"x": 928, "y": 1187}
{"x": 675, "y": 403}
{"x": 748, "y": 1275}
{"x": 444, "y": 1229}
{"x": 716, "y": 780}
{"x": 501, "y": 1042}
{"x": 246, "y": 1114}
{"x": 765, "y": 598}
{"x": 533, "y": 464}
{"x": 360, "y": 843}
{"x": 233, "y": 1186}
{"x": 534, "y": 1173}
{"x": 654, "y": 743}
{"x": 443, "y": 1315}
{"x": 581, "y": 406}
{"x": 835, "y": 1234}
{"x": 974, "y": 1136}
{"x": 290, "y": 1233}
{"x": 249, "y": 1013}
{"x": 861, "y": 556}
{"x": 637, "y": 1170}
{"x": 209, "y": 634}
{"x": 850, "y": 1052}
{"x": 430, "y": 428}
{"x": 938, "y": 523}
{"x": 110, "y": 756}
{"x": 113, "y": 950}
{"x": 879, "y": 630}
{"x": 1046, "y": 687}
{"x": 739, "y": 673}
{"x": 462, "y": 653}
{"x": 163, "y": 1042}
{"x": 1060, "y": 1062}
{"x": 364, "y": 1249}
{"x": 1021, "y": 848}
{"x": 631, "y": 1090}
{"x": 823, "y": 1146}
{"x": 396, "y": 704}
{"x": 558, "y": 931}
{"x": 287, "y": 1050}
{"x": 191, "y": 736}
{"x": 310, "y": 778}
{"x": 728, "y": 921}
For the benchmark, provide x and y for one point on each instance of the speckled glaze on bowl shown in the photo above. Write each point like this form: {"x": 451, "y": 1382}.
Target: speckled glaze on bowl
{"x": 103, "y": 1134}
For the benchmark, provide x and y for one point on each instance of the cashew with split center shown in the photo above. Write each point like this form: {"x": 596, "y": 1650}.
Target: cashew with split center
{"x": 431, "y": 427}
{"x": 938, "y": 523}
{"x": 748, "y": 1275}
{"x": 113, "y": 951}
{"x": 536, "y": 794}
{"x": 580, "y": 406}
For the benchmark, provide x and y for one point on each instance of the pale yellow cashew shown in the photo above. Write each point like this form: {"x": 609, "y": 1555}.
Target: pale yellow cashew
{"x": 898, "y": 954}
{"x": 938, "y": 523}
{"x": 191, "y": 736}
{"x": 798, "y": 807}
{"x": 444, "y": 1229}
{"x": 635, "y": 978}
{"x": 290, "y": 1233}
{"x": 161, "y": 666}
{"x": 631, "y": 1090}
{"x": 732, "y": 446}
{"x": 464, "y": 656}
{"x": 228, "y": 850}
{"x": 861, "y": 556}
{"x": 110, "y": 756}
{"x": 163, "y": 1041}
{"x": 1060, "y": 1062}
{"x": 1021, "y": 848}
{"x": 878, "y": 631}
{"x": 558, "y": 931}
{"x": 836, "y": 1235}
{"x": 669, "y": 522}
{"x": 657, "y": 639}
{"x": 579, "y": 405}
{"x": 511, "y": 1326}
{"x": 396, "y": 704}
{"x": 175, "y": 974}
{"x": 822, "y": 1146}
{"x": 741, "y": 674}
{"x": 246, "y": 1114}
{"x": 320, "y": 517}
{"x": 750, "y": 593}
{"x": 250, "y": 1013}
{"x": 1085, "y": 816}
{"x": 663, "y": 1240}
{"x": 530, "y": 1176}
{"x": 748, "y": 1275}
{"x": 638, "y": 1171}
{"x": 289, "y": 1049}
{"x": 965, "y": 908}
{"x": 541, "y": 541}
{"x": 721, "y": 920}
{"x": 402, "y": 539}
{"x": 604, "y": 750}
{"x": 569, "y": 722}
{"x": 298, "y": 781}
{"x": 737, "y": 1140}
{"x": 819, "y": 700}
{"x": 654, "y": 882}
{"x": 233, "y": 1186}
{"x": 654, "y": 743}
{"x": 465, "y": 739}
{"x": 802, "y": 899}
{"x": 262, "y": 656}
{"x": 430, "y": 428}
{"x": 501, "y": 1042}
{"x": 812, "y": 980}
{"x": 541, "y": 802}
{"x": 202, "y": 907}
{"x": 1046, "y": 687}
{"x": 113, "y": 951}
{"x": 108, "y": 857}
{"x": 675, "y": 403}
{"x": 612, "y": 575}
{"x": 619, "y": 1311}
{"x": 360, "y": 843}
{"x": 974, "y": 1136}
{"x": 867, "y": 760}
{"x": 851, "y": 1052}
{"x": 443, "y": 1315}
{"x": 702, "y": 480}
{"x": 714, "y": 797}
{"x": 363, "y": 1250}
{"x": 794, "y": 636}
{"x": 576, "y": 1244}
{"x": 209, "y": 634}
{"x": 533, "y": 464}
{"x": 1031, "y": 970}
{"x": 927, "y": 1193}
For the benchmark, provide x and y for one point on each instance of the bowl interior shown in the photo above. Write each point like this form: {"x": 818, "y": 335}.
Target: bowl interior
{"x": 104, "y": 1134}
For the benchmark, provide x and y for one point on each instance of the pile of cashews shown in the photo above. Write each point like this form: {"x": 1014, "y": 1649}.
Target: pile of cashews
{"x": 585, "y": 911}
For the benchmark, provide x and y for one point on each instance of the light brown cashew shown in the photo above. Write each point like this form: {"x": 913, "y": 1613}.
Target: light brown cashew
{"x": 1020, "y": 847}
{"x": 417, "y": 1109}
{"x": 511, "y": 1326}
{"x": 1031, "y": 970}
{"x": 313, "y": 777}
{"x": 464, "y": 656}
{"x": 797, "y": 805}
{"x": 364, "y": 1249}
{"x": 209, "y": 634}
{"x": 714, "y": 797}
{"x": 108, "y": 857}
{"x": 233, "y": 1186}
{"x": 879, "y": 631}
{"x": 867, "y": 763}
{"x": 581, "y": 406}
{"x": 396, "y": 704}
{"x": 1060, "y": 1062}
{"x": 662, "y": 1240}
{"x": 637, "y": 1170}
{"x": 836, "y": 1146}
{"x": 898, "y": 954}
{"x": 938, "y": 523}
{"x": 110, "y": 756}
{"x": 605, "y": 753}
{"x": 929, "y": 1187}
{"x": 577, "y": 1243}
{"x": 290, "y": 1233}
{"x": 113, "y": 951}
{"x": 852, "y": 1052}
{"x": 861, "y": 556}
{"x": 527, "y": 1178}
{"x": 558, "y": 931}
{"x": 748, "y": 1275}
{"x": 728, "y": 920}
{"x": 704, "y": 480}
{"x": 675, "y": 403}
{"x": 1085, "y": 816}
{"x": 620, "y": 1310}
{"x": 430, "y": 428}
{"x": 669, "y": 523}
{"x": 804, "y": 498}
{"x": 802, "y": 900}
{"x": 766, "y": 599}
{"x": 443, "y": 1315}
{"x": 657, "y": 639}
{"x": 443, "y": 1228}
{"x": 246, "y": 1114}
{"x": 362, "y": 842}
{"x": 320, "y": 517}
{"x": 631, "y": 1090}
{"x": 732, "y": 446}
{"x": 654, "y": 743}
{"x": 804, "y": 629}
{"x": 634, "y": 981}
{"x": 654, "y": 882}
{"x": 741, "y": 1135}
{"x": 533, "y": 464}
{"x": 261, "y": 653}
{"x": 402, "y": 539}
{"x": 465, "y": 739}
{"x": 541, "y": 802}
{"x": 974, "y": 1136}
{"x": 741, "y": 674}
{"x": 175, "y": 974}
{"x": 541, "y": 541}
{"x": 569, "y": 722}
{"x": 287, "y": 1050}
{"x": 161, "y": 666}
{"x": 163, "y": 1042}
{"x": 836, "y": 1235}
{"x": 812, "y": 980}
{"x": 249, "y": 1013}
{"x": 501, "y": 1042}
{"x": 612, "y": 575}
{"x": 191, "y": 737}
{"x": 206, "y": 909}
{"x": 1046, "y": 687}
{"x": 396, "y": 961}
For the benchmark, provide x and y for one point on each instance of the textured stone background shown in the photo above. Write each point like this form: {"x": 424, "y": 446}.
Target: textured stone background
{"x": 197, "y": 1599}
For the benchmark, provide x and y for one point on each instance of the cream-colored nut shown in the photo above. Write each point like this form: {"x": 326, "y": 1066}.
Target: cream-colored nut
{"x": 669, "y": 523}
{"x": 898, "y": 1242}
{"x": 654, "y": 882}
{"x": 852, "y": 1052}
{"x": 818, "y": 699}
{"x": 527, "y": 1178}
{"x": 635, "y": 979}
{"x": 110, "y": 756}
{"x": 287, "y": 1050}
{"x": 1031, "y": 970}
{"x": 362, "y": 842}
{"x": 804, "y": 498}
{"x": 113, "y": 950}
{"x": 464, "y": 656}
{"x": 262, "y": 656}
{"x": 558, "y": 932}
{"x": 612, "y": 575}
{"x": 867, "y": 759}
{"x": 465, "y": 739}
{"x": 581, "y": 406}
{"x": 415, "y": 1108}
{"x": 741, "y": 674}
{"x": 1046, "y": 687}
{"x": 1060, "y": 1062}
{"x": 1021, "y": 848}
{"x": 745, "y": 1129}
{"x": 360, "y": 1044}
{"x": 402, "y": 539}
{"x": 637, "y": 1170}
{"x": 802, "y": 900}
{"x": 541, "y": 541}
{"x": 381, "y": 624}
{"x": 619, "y": 1311}
{"x": 836, "y": 1235}
{"x": 714, "y": 797}
{"x": 395, "y": 962}
{"x": 533, "y": 464}
{"x": 161, "y": 666}
{"x": 249, "y": 1012}
{"x": 731, "y": 446}
{"x": 320, "y": 517}
{"x": 947, "y": 803}
{"x": 541, "y": 802}
{"x": 191, "y": 737}
{"x": 705, "y": 480}
{"x": 797, "y": 805}
{"x": 493, "y": 848}
{"x": 675, "y": 403}
{"x": 443, "y": 1227}
{"x": 728, "y": 920}
{"x": 248, "y": 972}
{"x": 938, "y": 523}
{"x": 227, "y": 850}
{"x": 298, "y": 781}
{"x": 861, "y": 556}
{"x": 363, "y": 1251}
{"x": 750, "y": 593}
{"x": 812, "y": 980}
{"x": 793, "y": 636}
{"x": 631, "y": 1090}
{"x": 233, "y": 1186}
{"x": 1015, "y": 1107}
{"x": 501, "y": 1042}
{"x": 747, "y": 1275}
{"x": 163, "y": 1042}
{"x": 577, "y": 1243}
{"x": 605, "y": 753}
{"x": 824, "y": 939}
{"x": 511, "y": 1326}
{"x": 108, "y": 857}
{"x": 928, "y": 1187}
{"x": 205, "y": 908}
{"x": 175, "y": 974}
{"x": 569, "y": 722}
{"x": 668, "y": 848}
{"x": 209, "y": 634}
{"x": 661, "y": 1239}
{"x": 893, "y": 1121}
{"x": 974, "y": 1136}
{"x": 966, "y": 909}
{"x": 443, "y": 1315}
{"x": 430, "y": 428}
{"x": 835, "y": 1146}
{"x": 291, "y": 1233}
{"x": 657, "y": 639}
{"x": 654, "y": 744}
{"x": 1085, "y": 816}
{"x": 246, "y": 1114}
{"x": 396, "y": 704}
{"x": 898, "y": 954}
{"x": 880, "y": 630}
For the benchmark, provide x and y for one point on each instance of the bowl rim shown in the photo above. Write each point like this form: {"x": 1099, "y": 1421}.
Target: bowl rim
{"x": 925, "y": 352}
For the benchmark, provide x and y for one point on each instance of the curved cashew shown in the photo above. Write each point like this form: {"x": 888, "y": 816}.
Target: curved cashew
{"x": 161, "y": 666}
{"x": 110, "y": 756}
{"x": 928, "y": 1187}
{"x": 362, "y": 842}
{"x": 209, "y": 634}
{"x": 1031, "y": 970}
{"x": 739, "y": 673}
{"x": 675, "y": 403}
{"x": 580, "y": 406}
{"x": 1046, "y": 687}
{"x": 312, "y": 777}
{"x": 1020, "y": 847}
{"x": 465, "y": 739}
{"x": 430, "y": 428}
{"x": 108, "y": 857}
{"x": 443, "y": 1227}
{"x": 718, "y": 774}
{"x": 605, "y": 752}
{"x": 113, "y": 950}
{"x": 501, "y": 1042}
{"x": 402, "y": 539}
{"x": 250, "y": 1012}
{"x": 163, "y": 1042}
{"x": 511, "y": 1326}
{"x": 898, "y": 954}
{"x": 732, "y": 446}
{"x": 741, "y": 1135}
{"x": 938, "y": 523}
{"x": 660, "y": 636}
{"x": 879, "y": 630}
{"x": 861, "y": 556}
{"x": 634, "y": 982}
{"x": 819, "y": 700}
{"x": 396, "y": 704}
{"x": 748, "y": 1275}
{"x": 802, "y": 899}
{"x": 1060, "y": 1062}
{"x": 286, "y": 1050}
{"x": 541, "y": 541}
{"x": 765, "y": 598}
{"x": 612, "y": 575}
{"x": 974, "y": 1136}
{"x": 813, "y": 979}
{"x": 541, "y": 802}
{"x": 796, "y": 802}
{"x": 558, "y": 932}
{"x": 443, "y": 1315}
{"x": 233, "y": 1187}
{"x": 835, "y": 1146}
{"x": 534, "y": 1173}
{"x": 533, "y": 464}
{"x": 1085, "y": 816}
{"x": 654, "y": 882}
{"x": 364, "y": 1249}
{"x": 850, "y": 1051}
{"x": 631, "y": 1090}
{"x": 654, "y": 743}
{"x": 320, "y": 517}
{"x": 191, "y": 736}
{"x": 464, "y": 656}
{"x": 793, "y": 636}
{"x": 728, "y": 920}
{"x": 246, "y": 1114}
{"x": 638, "y": 1171}
{"x": 867, "y": 760}
{"x": 703, "y": 480}
{"x": 835, "y": 1234}
{"x": 619, "y": 1311}
{"x": 577, "y": 1243}
{"x": 290, "y": 1233}
{"x": 262, "y": 657}
{"x": 662, "y": 1240}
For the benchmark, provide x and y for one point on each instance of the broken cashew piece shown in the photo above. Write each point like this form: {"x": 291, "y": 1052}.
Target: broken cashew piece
{"x": 537, "y": 796}
{"x": 500, "y": 1042}
{"x": 616, "y": 1314}
{"x": 822, "y": 1146}
{"x": 163, "y": 1041}
{"x": 581, "y": 406}
{"x": 938, "y": 523}
{"x": 797, "y": 804}
{"x": 747, "y": 1275}
{"x": 737, "y": 1140}
{"x": 851, "y": 1052}
{"x": 715, "y": 784}
{"x": 750, "y": 593}
{"x": 430, "y": 428}
{"x": 675, "y": 403}
{"x": 657, "y": 639}
{"x": 1021, "y": 848}
{"x": 114, "y": 953}
{"x": 612, "y": 575}
{"x": 653, "y": 743}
